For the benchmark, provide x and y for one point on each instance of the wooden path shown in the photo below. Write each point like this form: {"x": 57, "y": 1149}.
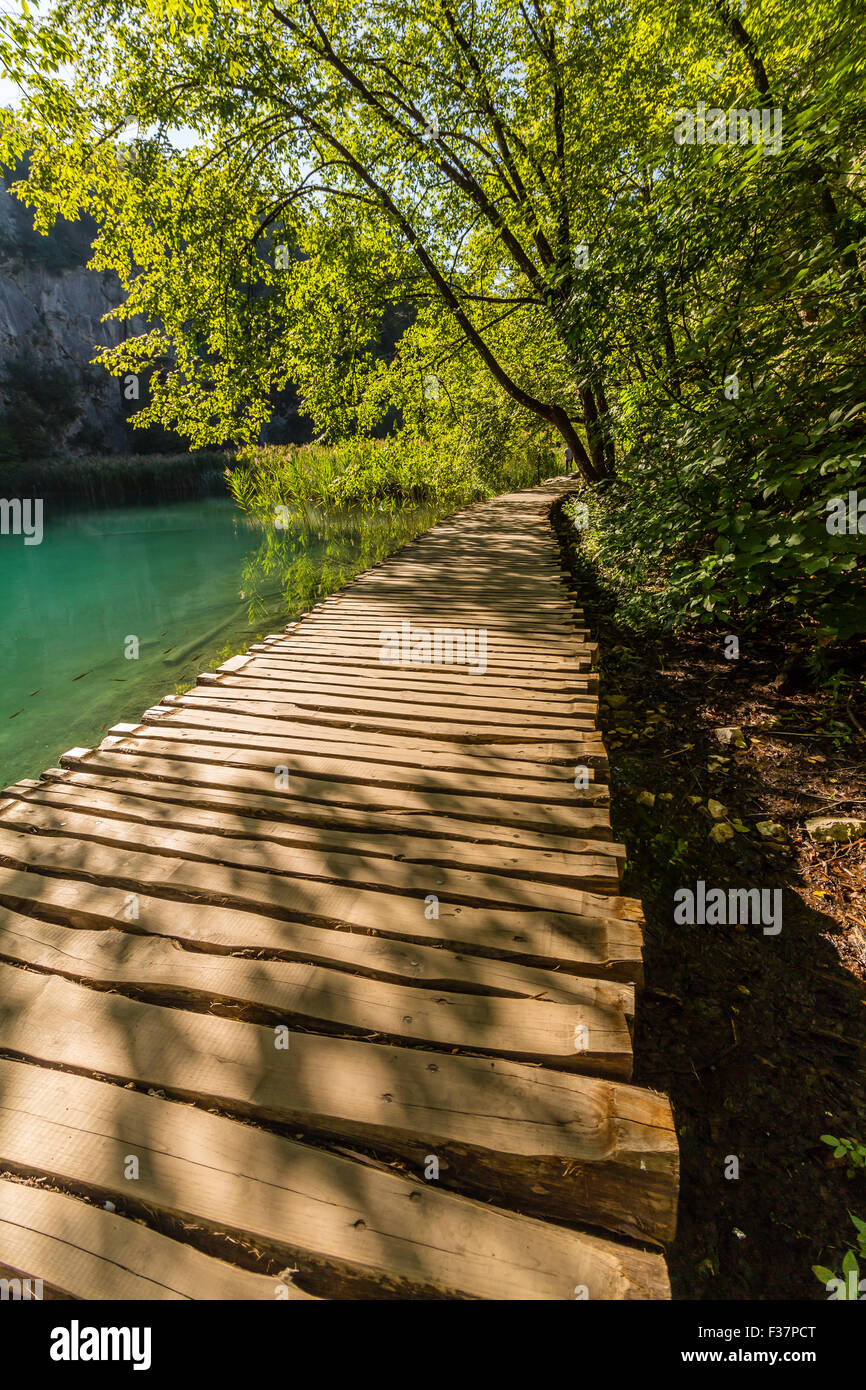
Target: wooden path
{"x": 318, "y": 982}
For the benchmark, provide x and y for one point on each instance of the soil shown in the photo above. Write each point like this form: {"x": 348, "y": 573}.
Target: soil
{"x": 758, "y": 1039}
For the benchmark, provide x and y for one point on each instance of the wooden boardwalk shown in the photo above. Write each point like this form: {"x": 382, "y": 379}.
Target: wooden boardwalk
{"x": 318, "y": 982}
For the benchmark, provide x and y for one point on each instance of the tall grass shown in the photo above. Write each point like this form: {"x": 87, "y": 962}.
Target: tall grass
{"x": 377, "y": 474}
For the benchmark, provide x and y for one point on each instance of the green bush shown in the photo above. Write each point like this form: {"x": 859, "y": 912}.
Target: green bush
{"x": 725, "y": 519}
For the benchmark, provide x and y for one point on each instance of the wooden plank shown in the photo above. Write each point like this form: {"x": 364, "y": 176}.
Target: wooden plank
{"x": 578, "y": 712}
{"x": 204, "y": 735}
{"x": 350, "y": 1227}
{"x": 502, "y": 640}
{"x": 322, "y": 999}
{"x": 557, "y": 819}
{"x": 298, "y": 815}
{"x": 455, "y": 884}
{"x": 569, "y": 676}
{"x": 280, "y": 700}
{"x": 540, "y": 639}
{"x": 497, "y": 659}
{"x": 37, "y": 875}
{"x": 426, "y": 752}
{"x": 359, "y": 696}
{"x": 453, "y": 680}
{"x": 77, "y": 952}
{"x": 90, "y": 1253}
{"x": 553, "y": 783}
{"x": 372, "y": 617}
{"x": 564, "y": 1145}
{"x": 210, "y": 698}
{"x": 553, "y": 864}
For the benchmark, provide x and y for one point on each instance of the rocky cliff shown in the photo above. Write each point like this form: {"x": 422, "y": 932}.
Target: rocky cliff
{"x": 52, "y": 399}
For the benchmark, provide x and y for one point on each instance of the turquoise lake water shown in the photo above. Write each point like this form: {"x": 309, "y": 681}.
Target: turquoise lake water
{"x": 192, "y": 581}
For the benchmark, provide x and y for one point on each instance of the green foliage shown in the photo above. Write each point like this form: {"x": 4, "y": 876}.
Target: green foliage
{"x": 849, "y": 1149}
{"x": 66, "y": 247}
{"x": 371, "y": 474}
{"x": 848, "y": 1283}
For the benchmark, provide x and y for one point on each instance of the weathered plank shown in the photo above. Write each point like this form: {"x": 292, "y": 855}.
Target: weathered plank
{"x": 70, "y": 876}
{"x": 261, "y": 684}
{"x": 469, "y": 724}
{"x": 350, "y": 1227}
{"x": 530, "y": 814}
{"x": 551, "y": 864}
{"x": 432, "y": 679}
{"x": 296, "y": 815}
{"x": 567, "y": 1146}
{"x": 90, "y": 1253}
{"x": 341, "y": 769}
{"x": 311, "y": 867}
{"x": 426, "y": 752}
{"x": 206, "y": 735}
{"x": 560, "y": 1034}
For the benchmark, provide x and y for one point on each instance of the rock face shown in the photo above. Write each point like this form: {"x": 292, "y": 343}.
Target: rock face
{"x": 50, "y": 329}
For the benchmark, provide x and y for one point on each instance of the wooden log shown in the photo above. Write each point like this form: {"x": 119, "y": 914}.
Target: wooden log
{"x": 97, "y": 936}
{"x": 260, "y": 684}
{"x": 349, "y": 1227}
{"x": 453, "y": 680}
{"x": 551, "y": 784}
{"x": 226, "y": 745}
{"x": 569, "y": 1147}
{"x": 477, "y": 723}
{"x": 581, "y": 819}
{"x": 586, "y": 748}
{"x": 298, "y": 816}
{"x": 33, "y": 870}
{"x": 550, "y": 865}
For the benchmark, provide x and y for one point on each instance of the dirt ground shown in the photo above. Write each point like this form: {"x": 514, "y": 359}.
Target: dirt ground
{"x": 758, "y": 1039}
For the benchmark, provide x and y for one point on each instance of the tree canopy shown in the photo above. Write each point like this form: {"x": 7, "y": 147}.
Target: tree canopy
{"x": 687, "y": 314}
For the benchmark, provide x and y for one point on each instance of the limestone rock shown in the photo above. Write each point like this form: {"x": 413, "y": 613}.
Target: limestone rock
{"x": 732, "y": 737}
{"x": 836, "y": 828}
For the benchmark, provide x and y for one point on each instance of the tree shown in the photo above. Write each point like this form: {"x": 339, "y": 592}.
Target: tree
{"x": 421, "y": 154}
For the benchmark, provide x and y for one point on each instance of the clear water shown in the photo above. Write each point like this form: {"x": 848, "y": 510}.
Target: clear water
{"x": 194, "y": 582}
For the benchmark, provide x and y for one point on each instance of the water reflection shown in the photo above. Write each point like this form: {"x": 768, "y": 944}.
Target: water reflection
{"x": 314, "y": 552}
